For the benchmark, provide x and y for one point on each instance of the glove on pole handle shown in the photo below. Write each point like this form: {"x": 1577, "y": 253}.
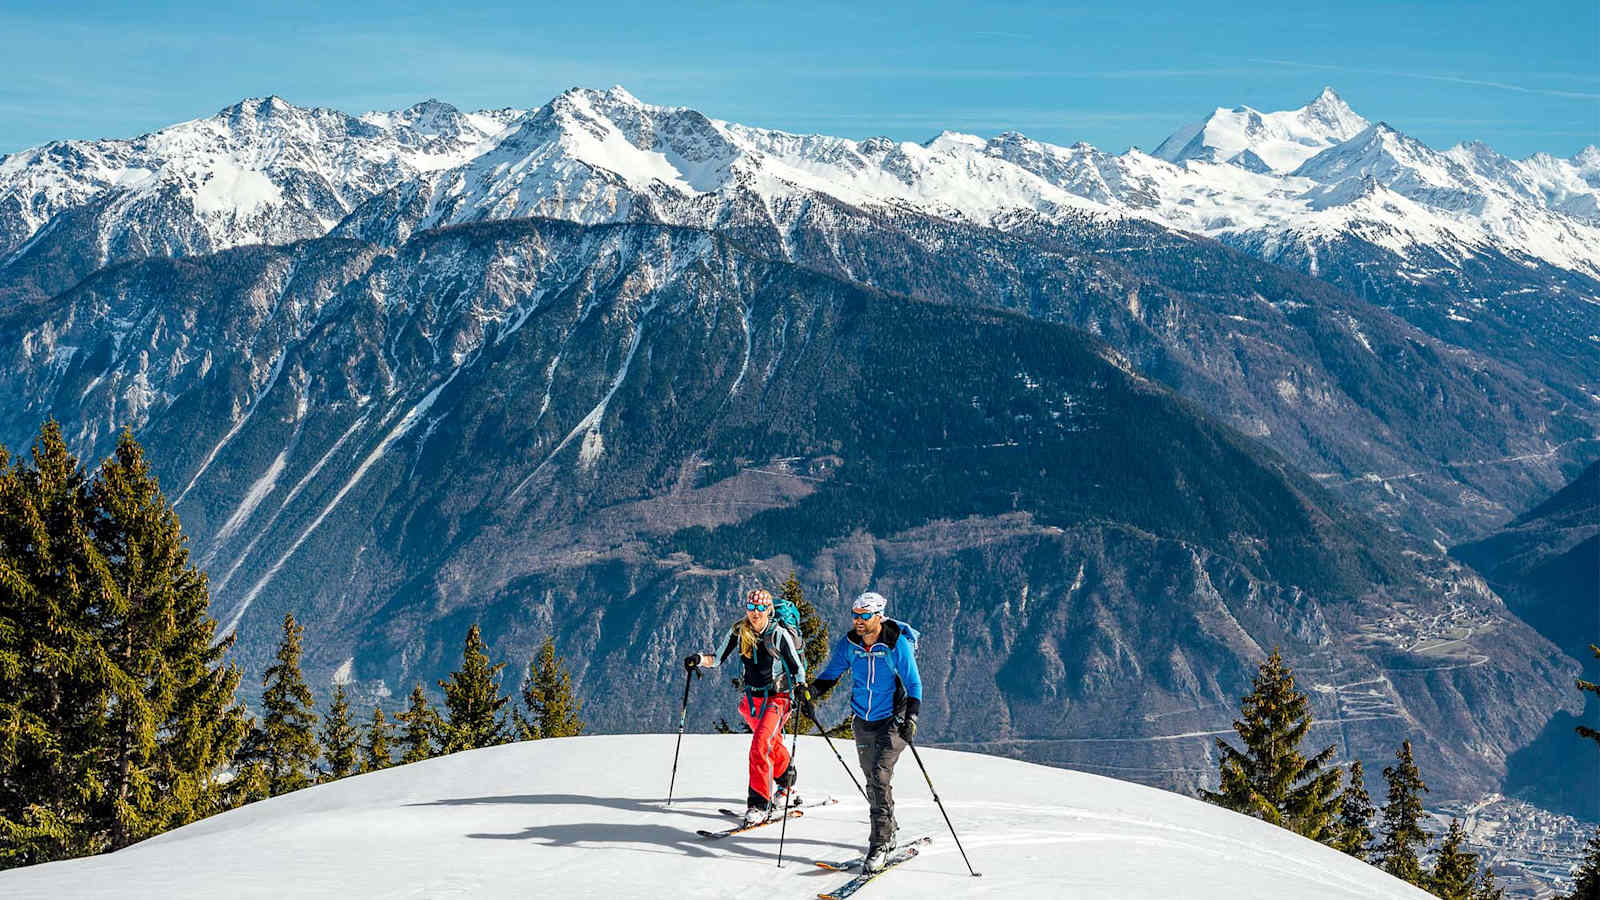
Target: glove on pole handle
{"x": 940, "y": 803}
{"x": 824, "y": 732}
{"x": 794, "y": 747}
{"x": 683, "y": 715}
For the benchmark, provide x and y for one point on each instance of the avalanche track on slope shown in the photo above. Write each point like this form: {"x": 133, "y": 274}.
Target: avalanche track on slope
{"x": 585, "y": 817}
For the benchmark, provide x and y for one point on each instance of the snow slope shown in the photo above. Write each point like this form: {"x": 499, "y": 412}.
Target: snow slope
{"x": 584, "y": 817}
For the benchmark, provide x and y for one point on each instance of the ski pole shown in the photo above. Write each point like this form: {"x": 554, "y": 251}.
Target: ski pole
{"x": 940, "y": 803}
{"x": 683, "y": 716}
{"x": 824, "y": 732}
{"x": 783, "y": 830}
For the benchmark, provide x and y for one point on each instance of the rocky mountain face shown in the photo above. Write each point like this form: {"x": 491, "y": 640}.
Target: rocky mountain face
{"x": 603, "y": 432}
{"x": 1546, "y": 564}
{"x": 590, "y": 369}
{"x": 1494, "y": 259}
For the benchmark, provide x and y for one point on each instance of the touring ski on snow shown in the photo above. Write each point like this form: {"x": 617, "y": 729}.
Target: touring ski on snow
{"x": 860, "y": 881}
{"x": 739, "y": 829}
{"x": 855, "y": 861}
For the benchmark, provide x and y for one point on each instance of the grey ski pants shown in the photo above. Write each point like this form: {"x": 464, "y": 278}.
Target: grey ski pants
{"x": 878, "y": 745}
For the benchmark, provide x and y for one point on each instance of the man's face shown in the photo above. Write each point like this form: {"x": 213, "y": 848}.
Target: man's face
{"x": 868, "y": 625}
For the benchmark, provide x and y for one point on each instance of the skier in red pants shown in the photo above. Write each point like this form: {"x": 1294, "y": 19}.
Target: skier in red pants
{"x": 772, "y": 667}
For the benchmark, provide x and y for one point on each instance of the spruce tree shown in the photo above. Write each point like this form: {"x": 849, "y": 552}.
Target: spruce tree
{"x": 375, "y": 750}
{"x": 552, "y": 709}
{"x": 1488, "y": 890}
{"x": 1592, "y": 688}
{"x": 289, "y": 742}
{"x": 51, "y": 677}
{"x": 250, "y": 782}
{"x": 339, "y": 736}
{"x": 1455, "y": 871}
{"x": 173, "y": 722}
{"x": 1269, "y": 778}
{"x": 814, "y": 634}
{"x": 812, "y": 627}
{"x": 1355, "y": 815}
{"x": 1402, "y": 819}
{"x": 421, "y": 728}
{"x": 473, "y": 700}
{"x": 1586, "y": 882}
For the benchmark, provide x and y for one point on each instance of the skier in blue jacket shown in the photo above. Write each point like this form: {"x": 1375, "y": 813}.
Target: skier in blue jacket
{"x": 886, "y": 696}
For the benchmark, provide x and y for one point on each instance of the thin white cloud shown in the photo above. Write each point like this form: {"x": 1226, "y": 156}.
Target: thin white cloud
{"x": 1434, "y": 76}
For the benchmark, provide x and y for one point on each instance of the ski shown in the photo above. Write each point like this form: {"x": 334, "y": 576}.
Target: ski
{"x": 855, "y": 861}
{"x": 713, "y": 835}
{"x": 865, "y": 878}
{"x": 826, "y": 801}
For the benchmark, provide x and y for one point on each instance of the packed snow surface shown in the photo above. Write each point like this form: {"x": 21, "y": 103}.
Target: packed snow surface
{"x": 586, "y": 817}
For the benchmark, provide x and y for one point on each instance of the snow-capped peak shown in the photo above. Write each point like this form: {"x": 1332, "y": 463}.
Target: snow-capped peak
{"x": 1281, "y": 140}
{"x": 1331, "y": 112}
{"x": 265, "y": 171}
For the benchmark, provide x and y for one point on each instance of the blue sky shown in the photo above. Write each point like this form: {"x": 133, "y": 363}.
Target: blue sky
{"x": 1115, "y": 76}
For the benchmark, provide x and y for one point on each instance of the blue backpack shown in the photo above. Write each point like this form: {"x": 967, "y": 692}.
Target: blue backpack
{"x": 788, "y": 615}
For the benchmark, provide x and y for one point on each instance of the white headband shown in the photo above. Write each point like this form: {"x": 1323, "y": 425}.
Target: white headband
{"x": 870, "y": 602}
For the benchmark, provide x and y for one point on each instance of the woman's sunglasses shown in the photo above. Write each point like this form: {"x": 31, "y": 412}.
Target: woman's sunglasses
{"x": 755, "y": 606}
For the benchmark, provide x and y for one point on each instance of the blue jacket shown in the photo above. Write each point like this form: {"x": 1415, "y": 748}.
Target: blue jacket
{"x": 883, "y": 676}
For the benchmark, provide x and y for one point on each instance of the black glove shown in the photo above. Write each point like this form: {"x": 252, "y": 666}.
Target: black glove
{"x": 908, "y": 727}
{"x": 802, "y": 696}
{"x": 691, "y": 662}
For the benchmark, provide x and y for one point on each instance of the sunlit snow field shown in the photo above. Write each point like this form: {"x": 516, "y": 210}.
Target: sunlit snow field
{"x": 585, "y": 817}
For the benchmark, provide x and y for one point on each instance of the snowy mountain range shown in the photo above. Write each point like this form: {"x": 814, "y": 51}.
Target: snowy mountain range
{"x": 585, "y": 370}
{"x": 587, "y": 817}
{"x": 263, "y": 171}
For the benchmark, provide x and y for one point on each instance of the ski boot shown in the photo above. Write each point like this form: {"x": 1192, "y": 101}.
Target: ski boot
{"x": 877, "y": 857}
{"x": 755, "y": 815}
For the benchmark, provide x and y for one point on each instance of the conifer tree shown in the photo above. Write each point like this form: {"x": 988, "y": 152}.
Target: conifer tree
{"x": 250, "y": 782}
{"x": 1592, "y": 688}
{"x": 473, "y": 700}
{"x": 1488, "y": 890}
{"x": 49, "y": 678}
{"x": 1586, "y": 882}
{"x": 1402, "y": 819}
{"x": 288, "y": 740}
{"x": 421, "y": 728}
{"x": 547, "y": 694}
{"x": 1269, "y": 778}
{"x": 1355, "y": 815}
{"x": 173, "y": 722}
{"x": 523, "y": 728}
{"x": 812, "y": 627}
{"x": 375, "y": 750}
{"x": 1455, "y": 871}
{"x": 339, "y": 736}
{"x": 814, "y": 634}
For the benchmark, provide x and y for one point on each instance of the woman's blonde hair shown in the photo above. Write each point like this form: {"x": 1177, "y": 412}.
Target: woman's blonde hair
{"x": 747, "y": 639}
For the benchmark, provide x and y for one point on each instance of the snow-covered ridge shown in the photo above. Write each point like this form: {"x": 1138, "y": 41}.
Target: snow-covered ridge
{"x": 259, "y": 171}
{"x": 266, "y": 171}
{"x": 585, "y": 817}
{"x": 1273, "y": 141}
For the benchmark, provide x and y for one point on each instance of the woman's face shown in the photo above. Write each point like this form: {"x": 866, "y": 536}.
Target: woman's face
{"x": 758, "y": 617}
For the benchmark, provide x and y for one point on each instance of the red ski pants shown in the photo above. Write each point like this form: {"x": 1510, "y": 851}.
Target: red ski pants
{"x": 768, "y": 757}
